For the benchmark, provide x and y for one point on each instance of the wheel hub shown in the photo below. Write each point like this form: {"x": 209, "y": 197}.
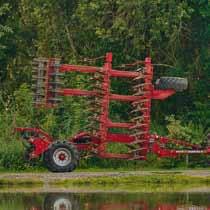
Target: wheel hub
{"x": 62, "y": 157}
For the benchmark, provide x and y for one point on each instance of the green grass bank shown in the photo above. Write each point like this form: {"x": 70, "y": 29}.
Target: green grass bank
{"x": 151, "y": 181}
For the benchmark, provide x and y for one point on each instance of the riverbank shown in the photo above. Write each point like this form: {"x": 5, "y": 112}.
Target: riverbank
{"x": 122, "y": 181}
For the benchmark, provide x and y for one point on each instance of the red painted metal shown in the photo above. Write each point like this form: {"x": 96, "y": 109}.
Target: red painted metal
{"x": 120, "y": 138}
{"x": 82, "y": 69}
{"x": 161, "y": 95}
{"x": 126, "y": 74}
{"x": 38, "y": 138}
{"x": 125, "y": 98}
{"x": 118, "y": 125}
{"x": 104, "y": 117}
{"x": 97, "y": 144}
{"x": 36, "y": 132}
{"x": 40, "y": 146}
{"x": 165, "y": 140}
{"x": 77, "y": 92}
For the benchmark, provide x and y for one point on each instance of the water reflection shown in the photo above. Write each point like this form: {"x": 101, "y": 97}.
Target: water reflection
{"x": 105, "y": 201}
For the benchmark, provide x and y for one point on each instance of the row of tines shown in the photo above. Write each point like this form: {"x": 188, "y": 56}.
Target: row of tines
{"x": 140, "y": 113}
{"x": 46, "y": 81}
{"x": 94, "y": 103}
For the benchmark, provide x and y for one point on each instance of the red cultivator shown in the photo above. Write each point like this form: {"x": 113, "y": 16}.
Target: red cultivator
{"x": 64, "y": 156}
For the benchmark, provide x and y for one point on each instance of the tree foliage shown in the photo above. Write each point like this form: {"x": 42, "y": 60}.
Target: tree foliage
{"x": 173, "y": 32}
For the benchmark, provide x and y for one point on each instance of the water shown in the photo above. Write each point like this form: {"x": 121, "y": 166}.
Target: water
{"x": 104, "y": 201}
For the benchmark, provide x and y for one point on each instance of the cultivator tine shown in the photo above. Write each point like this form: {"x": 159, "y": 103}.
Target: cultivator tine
{"x": 138, "y": 125}
{"x": 141, "y": 69}
{"x": 39, "y": 79}
{"x": 141, "y": 107}
{"x": 136, "y": 87}
{"x": 94, "y": 117}
{"x": 138, "y": 110}
{"x": 137, "y": 119}
{"x": 138, "y": 133}
{"x": 96, "y": 78}
{"x": 134, "y": 111}
{"x": 94, "y": 109}
{"x": 94, "y": 106}
{"x": 45, "y": 76}
{"x": 141, "y": 92}
{"x": 135, "y": 103}
{"x": 95, "y": 103}
{"x": 140, "y": 77}
{"x": 138, "y": 104}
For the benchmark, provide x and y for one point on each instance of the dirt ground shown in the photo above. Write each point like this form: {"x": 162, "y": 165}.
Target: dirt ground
{"x": 48, "y": 176}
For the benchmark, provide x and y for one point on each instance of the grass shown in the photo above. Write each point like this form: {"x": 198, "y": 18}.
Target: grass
{"x": 20, "y": 182}
{"x": 151, "y": 183}
{"x": 157, "y": 181}
{"x": 145, "y": 179}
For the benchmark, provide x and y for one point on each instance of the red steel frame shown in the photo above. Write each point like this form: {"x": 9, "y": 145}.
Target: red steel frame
{"x": 151, "y": 142}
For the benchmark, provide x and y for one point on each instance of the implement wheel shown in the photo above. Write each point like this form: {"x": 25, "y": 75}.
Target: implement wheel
{"x": 175, "y": 83}
{"x": 61, "y": 157}
{"x": 64, "y": 201}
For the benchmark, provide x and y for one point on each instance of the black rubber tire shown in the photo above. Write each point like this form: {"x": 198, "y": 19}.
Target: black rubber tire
{"x": 51, "y": 164}
{"x": 57, "y": 200}
{"x": 176, "y": 83}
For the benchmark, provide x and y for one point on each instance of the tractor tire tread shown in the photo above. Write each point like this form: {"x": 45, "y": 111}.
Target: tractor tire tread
{"x": 176, "y": 83}
{"x": 50, "y": 164}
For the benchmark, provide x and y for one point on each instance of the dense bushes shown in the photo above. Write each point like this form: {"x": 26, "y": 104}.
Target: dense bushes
{"x": 20, "y": 112}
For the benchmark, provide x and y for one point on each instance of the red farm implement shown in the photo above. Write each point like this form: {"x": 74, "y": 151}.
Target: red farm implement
{"x": 63, "y": 156}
